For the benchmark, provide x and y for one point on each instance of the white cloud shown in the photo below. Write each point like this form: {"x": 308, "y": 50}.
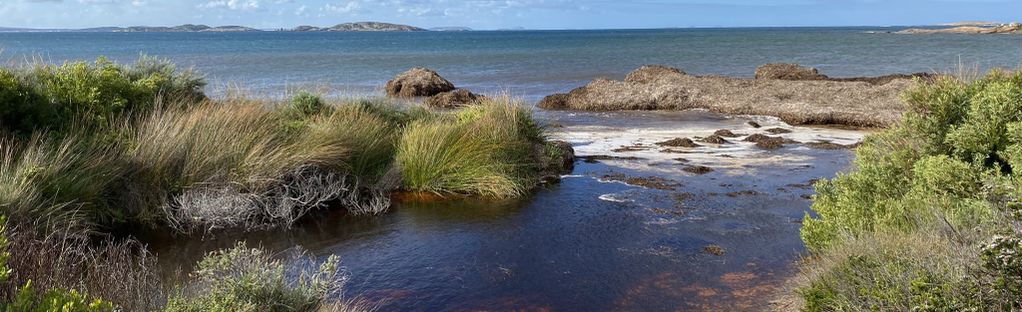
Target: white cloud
{"x": 231, "y": 4}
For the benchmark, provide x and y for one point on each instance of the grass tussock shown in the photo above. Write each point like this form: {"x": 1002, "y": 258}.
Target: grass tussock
{"x": 929, "y": 220}
{"x": 487, "y": 150}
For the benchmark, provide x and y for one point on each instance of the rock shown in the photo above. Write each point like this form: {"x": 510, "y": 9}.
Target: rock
{"x": 557, "y": 158}
{"x": 555, "y": 101}
{"x": 714, "y": 139}
{"x": 609, "y": 95}
{"x": 454, "y": 99}
{"x": 754, "y": 124}
{"x": 767, "y": 142}
{"x": 714, "y": 250}
{"x": 784, "y": 71}
{"x": 679, "y": 142}
{"x": 726, "y": 134}
{"x": 650, "y": 73}
{"x": 778, "y": 131}
{"x": 700, "y": 170}
{"x": 418, "y": 82}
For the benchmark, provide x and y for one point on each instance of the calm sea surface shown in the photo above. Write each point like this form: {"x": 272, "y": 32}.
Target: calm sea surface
{"x": 527, "y": 64}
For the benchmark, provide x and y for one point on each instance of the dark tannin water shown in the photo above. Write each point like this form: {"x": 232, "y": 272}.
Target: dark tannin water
{"x": 590, "y": 243}
{"x": 528, "y": 64}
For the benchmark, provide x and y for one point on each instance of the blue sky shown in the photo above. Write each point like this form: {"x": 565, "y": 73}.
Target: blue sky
{"x": 493, "y": 14}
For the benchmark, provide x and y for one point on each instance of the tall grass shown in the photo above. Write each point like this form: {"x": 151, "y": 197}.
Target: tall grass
{"x": 486, "y": 150}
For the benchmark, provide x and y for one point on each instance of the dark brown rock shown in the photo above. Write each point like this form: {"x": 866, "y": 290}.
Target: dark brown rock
{"x": 454, "y": 99}
{"x": 418, "y": 82}
{"x": 679, "y": 142}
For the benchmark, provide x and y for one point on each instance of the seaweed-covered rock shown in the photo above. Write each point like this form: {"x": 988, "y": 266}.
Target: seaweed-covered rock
{"x": 714, "y": 139}
{"x": 678, "y": 142}
{"x": 785, "y": 71}
{"x": 650, "y": 73}
{"x": 726, "y": 134}
{"x": 454, "y": 99}
{"x": 418, "y": 82}
{"x": 767, "y": 142}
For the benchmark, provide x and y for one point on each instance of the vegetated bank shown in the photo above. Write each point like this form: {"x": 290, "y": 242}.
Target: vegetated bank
{"x": 929, "y": 219}
{"x": 796, "y": 94}
{"x": 89, "y": 148}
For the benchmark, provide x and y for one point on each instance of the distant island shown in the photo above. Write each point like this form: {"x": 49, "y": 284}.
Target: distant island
{"x": 345, "y": 27}
{"x": 361, "y": 26}
{"x": 969, "y": 28}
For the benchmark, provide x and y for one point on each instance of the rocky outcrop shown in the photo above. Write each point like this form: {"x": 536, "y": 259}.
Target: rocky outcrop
{"x": 1011, "y": 28}
{"x": 801, "y": 97}
{"x": 454, "y": 99}
{"x": 786, "y": 71}
{"x": 650, "y": 73}
{"x": 418, "y": 82}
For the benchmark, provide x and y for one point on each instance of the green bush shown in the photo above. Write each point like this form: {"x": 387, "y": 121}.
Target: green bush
{"x": 249, "y": 279}
{"x": 899, "y": 231}
{"x": 58, "y": 97}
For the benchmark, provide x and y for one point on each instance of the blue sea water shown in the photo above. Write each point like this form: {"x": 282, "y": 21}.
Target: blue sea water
{"x": 528, "y": 64}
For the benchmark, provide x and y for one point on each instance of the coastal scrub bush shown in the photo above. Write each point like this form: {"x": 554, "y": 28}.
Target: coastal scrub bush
{"x": 57, "y": 97}
{"x": 903, "y": 230}
{"x": 250, "y": 279}
{"x": 486, "y": 150}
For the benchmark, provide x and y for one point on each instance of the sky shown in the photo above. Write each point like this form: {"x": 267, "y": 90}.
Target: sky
{"x": 503, "y": 14}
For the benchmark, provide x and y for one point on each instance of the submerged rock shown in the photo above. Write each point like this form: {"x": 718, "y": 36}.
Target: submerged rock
{"x": 767, "y": 142}
{"x": 700, "y": 170}
{"x": 418, "y": 82}
{"x": 726, "y": 134}
{"x": 754, "y": 124}
{"x": 778, "y": 131}
{"x": 454, "y": 99}
{"x": 714, "y": 139}
{"x": 679, "y": 142}
{"x": 785, "y": 71}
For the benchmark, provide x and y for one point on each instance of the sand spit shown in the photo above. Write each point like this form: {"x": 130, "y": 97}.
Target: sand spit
{"x": 815, "y": 100}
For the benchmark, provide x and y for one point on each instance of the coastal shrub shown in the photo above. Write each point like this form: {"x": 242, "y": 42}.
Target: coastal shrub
{"x": 954, "y": 140}
{"x": 486, "y": 150}
{"x": 57, "y": 97}
{"x": 902, "y": 231}
{"x": 250, "y": 279}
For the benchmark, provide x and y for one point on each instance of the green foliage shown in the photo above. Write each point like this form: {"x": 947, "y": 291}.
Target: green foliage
{"x": 28, "y": 300}
{"x": 935, "y": 164}
{"x": 486, "y": 150}
{"x": 249, "y": 279}
{"x": 304, "y": 105}
{"x": 57, "y": 97}
{"x": 898, "y": 232}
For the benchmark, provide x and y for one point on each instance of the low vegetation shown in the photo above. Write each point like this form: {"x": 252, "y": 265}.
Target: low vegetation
{"x": 930, "y": 218}
{"x": 90, "y": 149}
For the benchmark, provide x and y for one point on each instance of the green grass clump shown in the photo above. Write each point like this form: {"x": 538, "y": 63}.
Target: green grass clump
{"x": 902, "y": 231}
{"x": 82, "y": 94}
{"x": 487, "y": 150}
{"x": 250, "y": 279}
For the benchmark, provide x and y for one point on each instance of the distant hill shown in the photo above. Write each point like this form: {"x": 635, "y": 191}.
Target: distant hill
{"x": 185, "y": 28}
{"x": 361, "y": 26}
{"x": 454, "y": 28}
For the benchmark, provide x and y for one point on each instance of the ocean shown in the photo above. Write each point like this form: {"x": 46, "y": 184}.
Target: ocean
{"x": 525, "y": 64}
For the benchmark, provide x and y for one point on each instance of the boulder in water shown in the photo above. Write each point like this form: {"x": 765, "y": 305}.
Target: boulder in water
{"x": 418, "y": 82}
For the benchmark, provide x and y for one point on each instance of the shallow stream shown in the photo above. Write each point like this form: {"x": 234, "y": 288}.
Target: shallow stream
{"x": 684, "y": 240}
